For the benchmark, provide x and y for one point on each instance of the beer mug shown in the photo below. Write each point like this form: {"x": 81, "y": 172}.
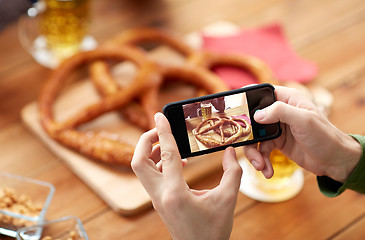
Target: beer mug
{"x": 54, "y": 30}
{"x": 286, "y": 182}
{"x": 206, "y": 110}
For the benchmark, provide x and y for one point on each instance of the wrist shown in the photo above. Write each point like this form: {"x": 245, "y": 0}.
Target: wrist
{"x": 211, "y": 233}
{"x": 347, "y": 158}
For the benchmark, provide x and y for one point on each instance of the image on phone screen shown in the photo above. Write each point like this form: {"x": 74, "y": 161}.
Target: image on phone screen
{"x": 211, "y": 123}
{"x": 218, "y": 122}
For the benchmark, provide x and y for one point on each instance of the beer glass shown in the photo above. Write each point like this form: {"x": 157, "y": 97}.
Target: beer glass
{"x": 286, "y": 182}
{"x": 54, "y": 30}
{"x": 206, "y": 110}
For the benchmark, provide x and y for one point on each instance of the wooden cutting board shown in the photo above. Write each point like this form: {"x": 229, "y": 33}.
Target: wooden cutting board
{"x": 119, "y": 188}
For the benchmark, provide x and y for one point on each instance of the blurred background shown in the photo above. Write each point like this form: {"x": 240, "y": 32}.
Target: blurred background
{"x": 328, "y": 35}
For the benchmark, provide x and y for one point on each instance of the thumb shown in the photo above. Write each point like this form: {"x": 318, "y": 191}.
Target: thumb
{"x": 231, "y": 178}
{"x": 279, "y": 112}
{"x": 170, "y": 156}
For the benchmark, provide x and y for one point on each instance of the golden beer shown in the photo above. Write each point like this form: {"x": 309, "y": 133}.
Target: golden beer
{"x": 206, "y": 109}
{"x": 286, "y": 182}
{"x": 64, "y": 23}
{"x": 284, "y": 168}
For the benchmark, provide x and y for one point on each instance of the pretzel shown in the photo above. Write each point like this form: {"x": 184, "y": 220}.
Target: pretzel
{"x": 253, "y": 65}
{"x": 106, "y": 84}
{"x": 111, "y": 148}
{"x": 229, "y": 130}
{"x": 137, "y": 101}
{"x": 106, "y": 147}
{"x": 139, "y": 36}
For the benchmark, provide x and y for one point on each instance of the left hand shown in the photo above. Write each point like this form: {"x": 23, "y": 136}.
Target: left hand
{"x": 187, "y": 213}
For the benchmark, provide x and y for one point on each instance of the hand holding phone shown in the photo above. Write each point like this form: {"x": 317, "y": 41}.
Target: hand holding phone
{"x": 211, "y": 123}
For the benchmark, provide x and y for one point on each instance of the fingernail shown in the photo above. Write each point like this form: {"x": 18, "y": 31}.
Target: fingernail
{"x": 260, "y": 114}
{"x": 156, "y": 118}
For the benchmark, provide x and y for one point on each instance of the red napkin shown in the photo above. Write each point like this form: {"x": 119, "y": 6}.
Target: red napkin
{"x": 243, "y": 116}
{"x": 267, "y": 43}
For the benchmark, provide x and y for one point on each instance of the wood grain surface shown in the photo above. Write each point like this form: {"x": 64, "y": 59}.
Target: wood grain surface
{"x": 330, "y": 33}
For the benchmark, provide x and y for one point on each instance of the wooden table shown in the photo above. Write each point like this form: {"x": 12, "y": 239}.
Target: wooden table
{"x": 330, "y": 33}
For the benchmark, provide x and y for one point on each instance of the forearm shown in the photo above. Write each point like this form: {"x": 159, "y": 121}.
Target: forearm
{"x": 355, "y": 181}
{"x": 346, "y": 155}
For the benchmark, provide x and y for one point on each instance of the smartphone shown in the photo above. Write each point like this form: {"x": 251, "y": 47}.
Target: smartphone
{"x": 211, "y": 123}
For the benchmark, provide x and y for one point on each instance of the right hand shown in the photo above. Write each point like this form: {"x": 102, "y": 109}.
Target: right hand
{"x": 307, "y": 138}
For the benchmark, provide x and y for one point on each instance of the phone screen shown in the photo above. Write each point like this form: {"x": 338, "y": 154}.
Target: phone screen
{"x": 217, "y": 122}
{"x": 211, "y": 123}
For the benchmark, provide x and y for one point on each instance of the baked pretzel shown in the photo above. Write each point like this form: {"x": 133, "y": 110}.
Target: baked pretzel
{"x": 140, "y": 36}
{"x": 106, "y": 84}
{"x": 106, "y": 147}
{"x": 137, "y": 100}
{"x": 229, "y": 130}
{"x": 253, "y": 65}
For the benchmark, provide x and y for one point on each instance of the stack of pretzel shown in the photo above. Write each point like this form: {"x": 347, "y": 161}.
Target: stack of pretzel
{"x": 138, "y": 101}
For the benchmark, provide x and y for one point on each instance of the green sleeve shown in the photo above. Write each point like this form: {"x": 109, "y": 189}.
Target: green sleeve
{"x": 356, "y": 181}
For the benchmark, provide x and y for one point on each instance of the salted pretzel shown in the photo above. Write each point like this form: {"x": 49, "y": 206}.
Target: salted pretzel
{"x": 139, "y": 36}
{"x": 138, "y": 99}
{"x": 106, "y": 84}
{"x": 205, "y": 59}
{"x": 229, "y": 129}
{"x": 253, "y": 65}
{"x": 107, "y": 147}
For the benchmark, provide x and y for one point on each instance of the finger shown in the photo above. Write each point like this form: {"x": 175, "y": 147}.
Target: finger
{"x": 280, "y": 112}
{"x": 156, "y": 153}
{"x": 254, "y": 156}
{"x": 232, "y": 174}
{"x": 143, "y": 149}
{"x": 170, "y": 156}
{"x": 144, "y": 168}
{"x": 268, "y": 170}
{"x": 290, "y": 95}
{"x": 156, "y": 157}
{"x": 286, "y": 94}
{"x": 159, "y": 164}
{"x": 265, "y": 149}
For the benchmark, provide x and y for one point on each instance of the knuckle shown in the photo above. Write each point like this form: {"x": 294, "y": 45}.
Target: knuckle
{"x": 136, "y": 165}
{"x": 145, "y": 136}
{"x": 167, "y": 154}
{"x": 310, "y": 118}
{"x": 294, "y": 91}
{"x": 278, "y": 106}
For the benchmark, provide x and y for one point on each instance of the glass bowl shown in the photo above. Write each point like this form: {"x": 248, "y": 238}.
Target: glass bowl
{"x": 23, "y": 202}
{"x": 61, "y": 229}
